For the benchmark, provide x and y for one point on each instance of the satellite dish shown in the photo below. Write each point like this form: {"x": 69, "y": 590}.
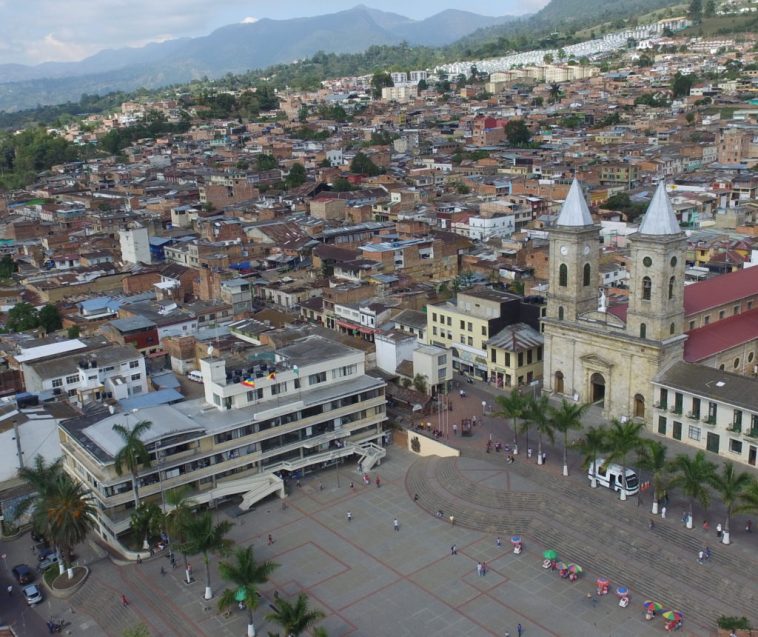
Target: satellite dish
{"x": 210, "y": 350}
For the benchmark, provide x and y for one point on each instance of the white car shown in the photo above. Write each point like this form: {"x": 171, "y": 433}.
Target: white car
{"x": 33, "y": 594}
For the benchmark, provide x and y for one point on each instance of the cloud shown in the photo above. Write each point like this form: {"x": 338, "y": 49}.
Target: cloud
{"x": 52, "y": 48}
{"x": 249, "y": 20}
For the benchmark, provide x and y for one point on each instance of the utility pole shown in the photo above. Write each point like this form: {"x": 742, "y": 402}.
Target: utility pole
{"x": 17, "y": 438}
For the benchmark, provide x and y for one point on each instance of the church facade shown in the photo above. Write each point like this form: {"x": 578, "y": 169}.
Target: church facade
{"x": 611, "y": 358}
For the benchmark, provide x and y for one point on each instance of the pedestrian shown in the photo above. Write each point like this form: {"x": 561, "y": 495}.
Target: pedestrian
{"x": 173, "y": 561}
{"x": 396, "y": 524}
{"x": 270, "y": 539}
{"x": 706, "y": 526}
{"x": 700, "y": 556}
{"x": 124, "y": 601}
{"x": 651, "y": 524}
{"x": 349, "y": 516}
{"x": 352, "y": 485}
{"x": 378, "y": 482}
{"x": 663, "y": 513}
{"x": 719, "y": 530}
{"x": 452, "y": 520}
{"x": 320, "y": 485}
{"x": 544, "y": 457}
{"x": 499, "y": 542}
{"x": 163, "y": 571}
{"x": 479, "y": 569}
{"x": 139, "y": 559}
{"x": 455, "y": 429}
{"x": 484, "y": 568}
{"x": 529, "y": 452}
{"x": 684, "y": 517}
{"x": 10, "y": 590}
{"x": 519, "y": 630}
{"x": 749, "y": 526}
{"x": 453, "y": 550}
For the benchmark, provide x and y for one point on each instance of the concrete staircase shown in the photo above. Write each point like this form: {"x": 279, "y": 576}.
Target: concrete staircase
{"x": 369, "y": 454}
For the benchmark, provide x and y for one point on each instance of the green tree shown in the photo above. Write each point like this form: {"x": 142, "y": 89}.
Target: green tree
{"x": 302, "y": 114}
{"x": 623, "y": 438}
{"x": 7, "y": 267}
{"x": 133, "y": 454}
{"x": 555, "y": 92}
{"x": 517, "y": 132}
{"x": 203, "y": 538}
{"x": 22, "y": 317}
{"x": 512, "y": 406}
{"x": 266, "y": 162}
{"x": 567, "y": 417}
{"x": 146, "y": 521}
{"x": 731, "y": 486}
{"x": 341, "y": 185}
{"x": 379, "y": 81}
{"x": 652, "y": 458}
{"x": 180, "y": 511}
{"x": 419, "y": 383}
{"x": 246, "y": 575}
{"x": 295, "y": 618}
{"x": 681, "y": 84}
{"x": 73, "y": 331}
{"x": 696, "y": 10}
{"x": 49, "y": 318}
{"x": 748, "y": 499}
{"x": 422, "y": 85}
{"x": 547, "y": 58}
{"x": 363, "y": 165}
{"x": 593, "y": 443}
{"x": 692, "y": 476}
{"x": 296, "y": 177}
{"x": 710, "y": 8}
{"x": 538, "y": 415}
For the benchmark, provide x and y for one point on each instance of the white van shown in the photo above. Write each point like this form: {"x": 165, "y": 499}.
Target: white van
{"x": 609, "y": 475}
{"x": 195, "y": 376}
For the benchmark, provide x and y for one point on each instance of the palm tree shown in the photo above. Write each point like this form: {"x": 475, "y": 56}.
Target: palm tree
{"x": 652, "y": 457}
{"x": 692, "y": 476}
{"x": 133, "y": 454}
{"x": 623, "y": 437}
{"x": 591, "y": 446}
{"x": 749, "y": 499}
{"x": 295, "y": 617}
{"x": 567, "y": 417}
{"x": 512, "y": 406}
{"x": 42, "y": 477}
{"x": 205, "y": 537}
{"x": 538, "y": 414}
{"x": 730, "y": 485}
{"x": 180, "y": 512}
{"x": 246, "y": 575}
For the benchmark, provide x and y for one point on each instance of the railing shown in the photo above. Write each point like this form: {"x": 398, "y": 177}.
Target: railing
{"x": 693, "y": 416}
{"x": 676, "y": 410}
{"x": 709, "y": 420}
{"x": 752, "y": 433}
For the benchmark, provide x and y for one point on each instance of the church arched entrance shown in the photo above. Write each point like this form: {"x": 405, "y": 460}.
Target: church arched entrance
{"x": 558, "y": 383}
{"x": 597, "y": 384}
{"x": 639, "y": 406}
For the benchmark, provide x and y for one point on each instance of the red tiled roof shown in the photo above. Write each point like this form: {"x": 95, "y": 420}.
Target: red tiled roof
{"x": 720, "y": 336}
{"x": 619, "y": 311}
{"x": 720, "y": 290}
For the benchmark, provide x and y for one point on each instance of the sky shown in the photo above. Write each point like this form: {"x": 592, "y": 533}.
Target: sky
{"x": 34, "y": 31}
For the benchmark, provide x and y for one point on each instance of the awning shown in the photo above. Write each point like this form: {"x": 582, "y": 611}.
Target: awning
{"x": 358, "y": 328}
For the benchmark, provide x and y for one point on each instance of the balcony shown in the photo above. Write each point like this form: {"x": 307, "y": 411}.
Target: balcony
{"x": 693, "y": 415}
{"x": 752, "y": 433}
{"x": 709, "y": 420}
{"x": 734, "y": 428}
{"x": 676, "y": 410}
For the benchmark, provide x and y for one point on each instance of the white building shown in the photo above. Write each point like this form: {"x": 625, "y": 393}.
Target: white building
{"x": 483, "y": 228}
{"x": 135, "y": 245}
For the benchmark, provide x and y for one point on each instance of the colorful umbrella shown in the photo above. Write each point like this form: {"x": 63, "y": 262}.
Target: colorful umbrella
{"x": 673, "y": 615}
{"x": 561, "y": 565}
{"x": 515, "y": 539}
{"x": 650, "y": 605}
{"x": 575, "y": 568}
{"x": 550, "y": 554}
{"x": 622, "y": 591}
{"x": 602, "y": 581}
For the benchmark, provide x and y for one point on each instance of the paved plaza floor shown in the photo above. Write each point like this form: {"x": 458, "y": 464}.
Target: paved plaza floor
{"x": 369, "y": 579}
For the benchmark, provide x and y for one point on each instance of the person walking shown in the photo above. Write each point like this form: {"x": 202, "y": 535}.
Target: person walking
{"x": 452, "y": 520}
{"x": 124, "y": 601}
{"x": 498, "y": 542}
{"x": 749, "y": 526}
{"x": 719, "y": 530}
{"x": 519, "y": 630}
{"x": 479, "y": 569}
{"x": 396, "y": 524}
{"x": 453, "y": 550}
{"x": 349, "y": 516}
{"x": 10, "y": 590}
{"x": 663, "y": 513}
{"x": 484, "y": 568}
{"x": 455, "y": 429}
{"x": 270, "y": 539}
{"x": 378, "y": 482}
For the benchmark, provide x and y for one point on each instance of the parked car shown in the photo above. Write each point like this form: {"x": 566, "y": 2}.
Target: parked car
{"x": 33, "y": 595}
{"x": 23, "y": 573}
{"x": 48, "y": 561}
{"x": 44, "y": 553}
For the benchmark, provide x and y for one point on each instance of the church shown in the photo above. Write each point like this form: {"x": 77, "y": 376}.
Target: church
{"x": 594, "y": 355}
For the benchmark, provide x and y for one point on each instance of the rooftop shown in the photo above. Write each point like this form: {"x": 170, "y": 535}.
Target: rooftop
{"x": 516, "y": 338}
{"x": 720, "y": 290}
{"x": 720, "y": 336}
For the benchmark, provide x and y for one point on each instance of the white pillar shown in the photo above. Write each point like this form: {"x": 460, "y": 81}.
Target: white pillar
{"x": 725, "y": 539}
{"x": 208, "y": 592}
{"x": 655, "y": 507}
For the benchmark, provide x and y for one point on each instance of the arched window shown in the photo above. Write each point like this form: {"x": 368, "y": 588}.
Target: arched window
{"x": 586, "y": 277}
{"x": 672, "y": 281}
{"x": 563, "y": 275}
{"x": 672, "y": 329}
{"x": 643, "y": 330}
{"x": 560, "y": 313}
{"x": 647, "y": 286}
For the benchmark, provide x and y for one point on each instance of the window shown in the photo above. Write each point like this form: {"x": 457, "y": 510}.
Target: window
{"x": 706, "y": 319}
{"x": 315, "y": 379}
{"x": 736, "y": 363}
{"x": 484, "y": 330}
{"x": 470, "y": 327}
{"x": 587, "y": 275}
{"x": 712, "y": 412}
{"x": 672, "y": 281}
{"x": 278, "y": 388}
{"x": 643, "y": 330}
{"x": 493, "y": 355}
{"x": 750, "y": 357}
{"x": 136, "y": 376}
{"x": 563, "y": 275}
{"x": 692, "y": 325}
{"x": 539, "y": 353}
{"x": 672, "y": 329}
{"x": 441, "y": 373}
{"x": 449, "y": 321}
{"x": 662, "y": 425}
{"x": 529, "y": 357}
{"x": 57, "y": 382}
{"x": 434, "y": 317}
{"x": 736, "y": 310}
{"x": 255, "y": 394}
{"x": 470, "y": 341}
{"x": 133, "y": 364}
{"x": 693, "y": 432}
{"x": 442, "y": 359}
{"x": 560, "y": 313}
{"x": 735, "y": 446}
{"x": 721, "y": 315}
{"x": 463, "y": 325}
{"x": 737, "y": 420}
{"x": 137, "y": 390}
{"x": 663, "y": 403}
{"x": 345, "y": 370}
{"x": 507, "y": 359}
{"x": 647, "y": 286}
{"x": 297, "y": 383}
{"x": 434, "y": 331}
{"x": 463, "y": 339}
{"x": 696, "y": 408}
{"x": 521, "y": 359}
{"x": 74, "y": 378}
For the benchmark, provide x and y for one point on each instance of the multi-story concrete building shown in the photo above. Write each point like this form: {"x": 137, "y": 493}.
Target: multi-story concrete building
{"x": 311, "y": 405}
{"x": 135, "y": 245}
{"x": 515, "y": 356}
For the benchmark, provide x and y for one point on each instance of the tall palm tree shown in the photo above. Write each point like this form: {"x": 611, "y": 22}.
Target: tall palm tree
{"x": 749, "y": 499}
{"x": 652, "y": 457}
{"x": 567, "y": 417}
{"x": 512, "y": 406}
{"x": 246, "y": 575}
{"x": 180, "y": 512}
{"x": 538, "y": 414}
{"x": 70, "y": 514}
{"x": 133, "y": 454}
{"x": 205, "y": 537}
{"x": 295, "y": 617}
{"x": 593, "y": 443}
{"x": 42, "y": 477}
{"x": 692, "y": 476}
{"x": 623, "y": 438}
{"x": 730, "y": 485}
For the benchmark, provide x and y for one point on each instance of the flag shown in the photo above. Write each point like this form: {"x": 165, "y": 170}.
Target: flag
{"x": 248, "y": 382}
{"x": 272, "y": 376}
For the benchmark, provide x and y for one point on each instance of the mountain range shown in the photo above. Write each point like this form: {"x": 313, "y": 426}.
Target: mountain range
{"x": 231, "y": 49}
